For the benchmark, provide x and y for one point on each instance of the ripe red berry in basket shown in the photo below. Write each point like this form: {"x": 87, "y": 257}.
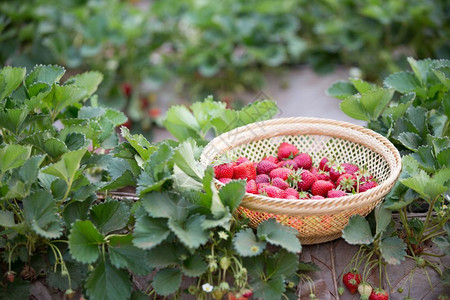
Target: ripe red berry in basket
{"x": 303, "y": 195}
{"x": 291, "y": 197}
{"x": 291, "y": 164}
{"x": 367, "y": 186}
{"x": 224, "y": 171}
{"x": 273, "y": 192}
{"x": 224, "y": 180}
{"x": 265, "y": 166}
{"x": 379, "y": 294}
{"x": 302, "y": 179}
{"x": 303, "y": 161}
{"x": 286, "y": 151}
{"x": 321, "y": 187}
{"x": 324, "y": 164}
{"x": 262, "y": 178}
{"x": 350, "y": 168}
{"x": 270, "y": 158}
{"x": 347, "y": 182}
{"x": 282, "y": 173}
{"x": 317, "y": 197}
{"x": 291, "y": 192}
{"x": 364, "y": 175}
{"x": 320, "y": 175}
{"x": 352, "y": 280}
{"x": 280, "y": 183}
{"x": 241, "y": 160}
{"x": 261, "y": 186}
{"x": 245, "y": 170}
{"x": 336, "y": 194}
{"x": 251, "y": 187}
{"x": 336, "y": 171}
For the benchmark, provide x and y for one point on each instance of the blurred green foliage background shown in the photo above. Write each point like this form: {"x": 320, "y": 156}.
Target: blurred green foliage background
{"x": 214, "y": 47}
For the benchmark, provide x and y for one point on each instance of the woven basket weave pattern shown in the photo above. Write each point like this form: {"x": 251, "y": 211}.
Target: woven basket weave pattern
{"x": 316, "y": 220}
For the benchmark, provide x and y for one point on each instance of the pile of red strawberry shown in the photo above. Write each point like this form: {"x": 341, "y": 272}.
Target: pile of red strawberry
{"x": 291, "y": 175}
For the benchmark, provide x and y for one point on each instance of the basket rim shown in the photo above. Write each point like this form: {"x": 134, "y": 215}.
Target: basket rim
{"x": 315, "y": 207}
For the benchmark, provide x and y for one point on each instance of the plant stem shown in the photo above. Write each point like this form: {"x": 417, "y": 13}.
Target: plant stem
{"x": 430, "y": 210}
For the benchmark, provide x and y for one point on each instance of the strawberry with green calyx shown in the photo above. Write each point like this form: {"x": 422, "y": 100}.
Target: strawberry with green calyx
{"x": 286, "y": 151}
{"x": 364, "y": 175}
{"x": 251, "y": 187}
{"x": 280, "y": 183}
{"x": 352, "y": 281}
{"x": 301, "y": 179}
{"x": 324, "y": 164}
{"x": 282, "y": 173}
{"x": 347, "y": 182}
{"x": 303, "y": 195}
{"x": 350, "y": 168}
{"x": 291, "y": 164}
{"x": 379, "y": 294}
{"x": 245, "y": 170}
{"x": 265, "y": 166}
{"x": 304, "y": 161}
{"x": 321, "y": 188}
{"x": 336, "y": 171}
{"x": 320, "y": 175}
{"x": 224, "y": 170}
{"x": 291, "y": 192}
{"x": 273, "y": 192}
{"x": 365, "y": 290}
{"x": 367, "y": 186}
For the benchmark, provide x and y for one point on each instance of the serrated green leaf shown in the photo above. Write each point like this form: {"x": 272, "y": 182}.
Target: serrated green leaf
{"x": 88, "y": 81}
{"x": 10, "y": 79}
{"x": 13, "y": 156}
{"x": 115, "y": 116}
{"x": 14, "y": 119}
{"x": 268, "y": 290}
{"x": 107, "y": 282}
{"x": 29, "y": 171}
{"x": 67, "y": 166}
{"x": 375, "y": 101}
{"x": 46, "y": 74}
{"x": 283, "y": 264}
{"x": 404, "y": 82}
{"x": 246, "y": 243}
{"x": 149, "y": 232}
{"x": 77, "y": 210}
{"x": 255, "y": 112}
{"x": 417, "y": 120}
{"x": 77, "y": 273}
{"x": 84, "y": 242}
{"x": 442, "y": 78}
{"x": 163, "y": 255}
{"x": 6, "y": 218}
{"x": 189, "y": 231}
{"x": 181, "y": 123}
{"x": 194, "y": 266}
{"x": 443, "y": 158}
{"x": 231, "y": 194}
{"x": 109, "y": 216}
{"x": 124, "y": 255}
{"x": 410, "y": 140}
{"x": 443, "y": 243}
{"x": 443, "y": 176}
{"x": 352, "y": 107}
{"x": 427, "y": 187}
{"x": 184, "y": 158}
{"x": 361, "y": 85}
{"x": 75, "y": 141}
{"x": 424, "y": 156}
{"x": 18, "y": 290}
{"x": 341, "y": 90}
{"x": 383, "y": 217}
{"x": 206, "y": 110}
{"x": 139, "y": 143}
{"x": 159, "y": 205}
{"x": 393, "y": 250}
{"x": 167, "y": 281}
{"x": 146, "y": 184}
{"x": 280, "y": 235}
{"x": 55, "y": 148}
{"x": 357, "y": 231}
{"x": 420, "y": 68}
{"x": 61, "y": 97}
{"x": 41, "y": 213}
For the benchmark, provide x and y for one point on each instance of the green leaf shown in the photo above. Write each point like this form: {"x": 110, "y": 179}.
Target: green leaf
{"x": 7, "y": 218}
{"x": 77, "y": 210}
{"x": 167, "y": 281}
{"x": 55, "y": 148}
{"x": 41, "y": 213}
{"x": 353, "y": 108}
{"x": 231, "y": 194}
{"x": 107, "y": 282}
{"x": 424, "y": 156}
{"x": 307, "y": 266}
{"x": 393, "y": 250}
{"x": 88, "y": 81}
{"x": 404, "y": 82}
{"x": 14, "y": 119}
{"x": 420, "y": 68}
{"x": 383, "y": 217}
{"x": 18, "y": 290}
{"x": 139, "y": 143}
{"x": 45, "y": 74}
{"x": 13, "y": 156}
{"x": 206, "y": 110}
{"x": 159, "y": 205}
{"x": 109, "y": 216}
{"x": 427, "y": 187}
{"x": 410, "y": 140}
{"x": 357, "y": 231}
{"x": 255, "y": 112}
{"x": 375, "y": 101}
{"x": 75, "y": 141}
{"x": 163, "y": 255}
{"x": 181, "y": 123}
{"x": 29, "y": 171}
{"x": 443, "y": 176}
{"x": 63, "y": 96}
{"x": 124, "y": 255}
{"x": 341, "y": 90}
{"x": 189, "y": 231}
{"x": 84, "y": 242}
{"x": 184, "y": 158}
{"x": 10, "y": 79}
{"x": 115, "y": 116}
{"x": 361, "y": 85}
{"x": 67, "y": 166}
{"x": 77, "y": 275}
{"x": 194, "y": 266}
{"x": 280, "y": 235}
{"x": 246, "y": 243}
{"x": 149, "y": 232}
{"x": 268, "y": 290}
{"x": 283, "y": 264}
{"x": 443, "y": 244}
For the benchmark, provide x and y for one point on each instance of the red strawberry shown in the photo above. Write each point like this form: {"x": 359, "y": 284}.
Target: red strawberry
{"x": 320, "y": 175}
{"x": 283, "y": 173}
{"x": 286, "y": 150}
{"x": 351, "y": 280}
{"x": 270, "y": 158}
{"x": 303, "y": 161}
{"x": 127, "y": 89}
{"x": 224, "y": 180}
{"x": 251, "y": 187}
{"x": 303, "y": 195}
{"x": 280, "y": 183}
{"x": 347, "y": 182}
{"x": 321, "y": 187}
{"x": 336, "y": 194}
{"x": 261, "y": 178}
{"x": 224, "y": 171}
{"x": 291, "y": 197}
{"x": 241, "y": 160}
{"x": 350, "y": 168}
{"x": 317, "y": 197}
{"x": 273, "y": 191}
{"x": 261, "y": 186}
{"x": 364, "y": 175}
{"x": 336, "y": 171}
{"x": 367, "y": 186}
{"x": 302, "y": 179}
{"x": 265, "y": 166}
{"x": 245, "y": 170}
{"x": 324, "y": 165}
{"x": 10, "y": 276}
{"x": 291, "y": 192}
{"x": 128, "y": 124}
{"x": 379, "y": 294}
{"x": 291, "y": 164}
{"x": 247, "y": 293}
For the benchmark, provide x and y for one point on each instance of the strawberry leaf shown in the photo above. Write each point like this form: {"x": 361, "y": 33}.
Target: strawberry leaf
{"x": 163, "y": 255}
{"x": 268, "y": 289}
{"x": 45, "y": 74}
{"x": 167, "y": 281}
{"x": 6, "y": 218}
{"x": 13, "y": 156}
{"x": 393, "y": 250}
{"x": 352, "y": 107}
{"x": 88, "y": 80}
{"x": 427, "y": 187}
{"x": 357, "y": 231}
{"x": 383, "y": 217}
{"x": 139, "y": 143}
{"x": 246, "y": 243}
{"x": 123, "y": 254}
{"x": 404, "y": 82}
{"x": 14, "y": 119}
{"x": 107, "y": 282}
{"x": 280, "y": 235}
{"x": 194, "y": 266}
{"x": 67, "y": 166}
{"x": 109, "y": 216}
{"x": 149, "y": 232}
{"x": 55, "y": 148}
{"x": 231, "y": 194}
{"x": 181, "y": 123}
{"x": 10, "y": 79}
{"x": 341, "y": 90}
{"x": 189, "y": 230}
{"x": 84, "y": 242}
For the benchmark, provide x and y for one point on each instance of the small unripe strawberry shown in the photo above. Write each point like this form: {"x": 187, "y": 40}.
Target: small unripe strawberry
{"x": 365, "y": 289}
{"x": 10, "y": 276}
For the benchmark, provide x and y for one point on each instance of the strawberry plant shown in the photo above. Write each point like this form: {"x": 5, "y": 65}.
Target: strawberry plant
{"x": 412, "y": 111}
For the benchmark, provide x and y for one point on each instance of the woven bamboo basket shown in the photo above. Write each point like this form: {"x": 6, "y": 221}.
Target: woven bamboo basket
{"x": 317, "y": 221}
